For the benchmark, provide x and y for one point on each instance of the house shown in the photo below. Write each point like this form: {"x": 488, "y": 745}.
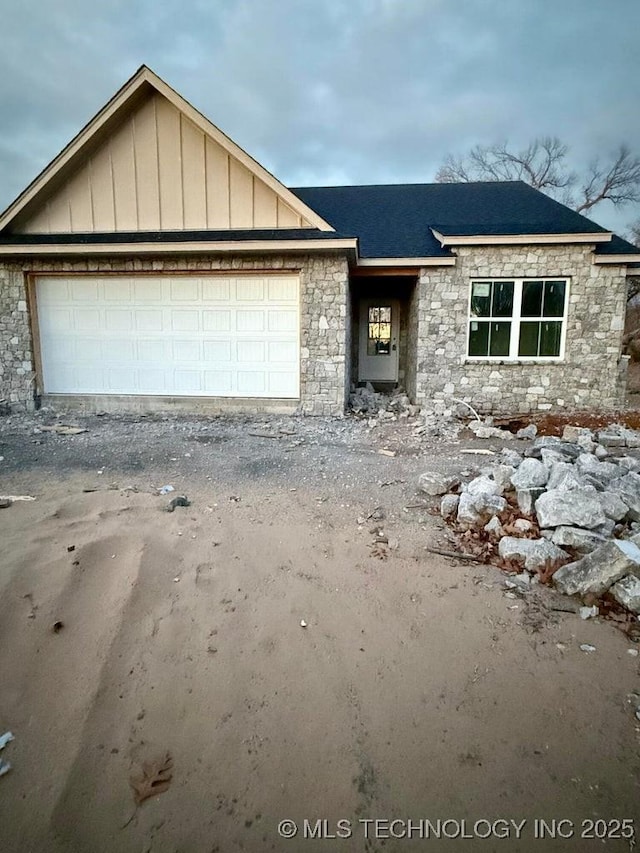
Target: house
{"x": 154, "y": 263}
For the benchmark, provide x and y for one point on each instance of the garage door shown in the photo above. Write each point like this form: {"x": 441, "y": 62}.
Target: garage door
{"x": 178, "y": 336}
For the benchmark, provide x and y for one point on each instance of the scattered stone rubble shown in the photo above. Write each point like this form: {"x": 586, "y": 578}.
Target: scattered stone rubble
{"x": 562, "y": 509}
{"x": 379, "y": 407}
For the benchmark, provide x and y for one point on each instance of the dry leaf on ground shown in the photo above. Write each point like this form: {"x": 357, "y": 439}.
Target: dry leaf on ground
{"x": 380, "y": 551}
{"x": 154, "y": 778}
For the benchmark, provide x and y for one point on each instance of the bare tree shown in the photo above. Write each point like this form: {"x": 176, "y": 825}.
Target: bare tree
{"x": 619, "y": 181}
{"x": 542, "y": 164}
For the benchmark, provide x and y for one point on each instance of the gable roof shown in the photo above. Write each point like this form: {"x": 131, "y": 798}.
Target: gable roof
{"x": 62, "y": 210}
{"x": 67, "y": 177}
{"x": 398, "y": 220}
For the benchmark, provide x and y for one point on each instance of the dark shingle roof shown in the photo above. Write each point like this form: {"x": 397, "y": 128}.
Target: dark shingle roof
{"x": 395, "y": 220}
{"x": 617, "y": 246}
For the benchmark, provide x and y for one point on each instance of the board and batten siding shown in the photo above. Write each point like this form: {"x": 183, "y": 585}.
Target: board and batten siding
{"x": 160, "y": 172}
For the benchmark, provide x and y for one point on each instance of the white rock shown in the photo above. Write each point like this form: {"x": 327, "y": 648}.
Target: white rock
{"x": 627, "y": 593}
{"x": 532, "y": 474}
{"x": 510, "y": 457}
{"x": 596, "y": 572}
{"x": 564, "y": 476}
{"x": 573, "y": 433}
{"x": 628, "y": 487}
{"x": 613, "y": 505}
{"x": 527, "y": 498}
{"x": 581, "y": 540}
{"x": 586, "y": 463}
{"x": 483, "y": 486}
{"x": 494, "y": 526}
{"x": 533, "y": 553}
{"x": 574, "y": 508}
{"x": 475, "y": 509}
{"x": 522, "y": 525}
{"x": 449, "y": 506}
{"x": 587, "y": 647}
{"x": 628, "y": 463}
{"x": 530, "y": 431}
{"x": 588, "y": 612}
{"x": 502, "y": 474}
{"x": 435, "y": 483}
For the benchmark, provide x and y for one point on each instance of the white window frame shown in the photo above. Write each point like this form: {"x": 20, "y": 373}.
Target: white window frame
{"x": 516, "y": 318}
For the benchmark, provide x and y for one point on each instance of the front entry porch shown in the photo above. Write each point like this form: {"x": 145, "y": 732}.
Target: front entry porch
{"x": 384, "y": 323}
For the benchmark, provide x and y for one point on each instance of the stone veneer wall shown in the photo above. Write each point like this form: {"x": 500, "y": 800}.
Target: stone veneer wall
{"x": 591, "y": 374}
{"x": 17, "y": 379}
{"x": 413, "y": 315}
{"x": 324, "y": 322}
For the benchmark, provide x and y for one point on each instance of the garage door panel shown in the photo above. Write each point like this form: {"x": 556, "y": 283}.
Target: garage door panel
{"x": 216, "y": 290}
{"x": 117, "y": 320}
{"x": 250, "y": 351}
{"x": 251, "y": 383}
{"x": 282, "y": 384}
{"x": 282, "y": 321}
{"x": 282, "y": 352}
{"x": 216, "y": 351}
{"x": 117, "y": 291}
{"x": 186, "y": 351}
{"x": 184, "y": 321}
{"x": 187, "y": 381}
{"x": 216, "y": 321}
{"x": 250, "y": 321}
{"x": 151, "y": 381}
{"x": 86, "y": 320}
{"x": 113, "y": 350}
{"x": 249, "y": 290}
{"x": 282, "y": 290}
{"x": 218, "y": 382}
{"x": 184, "y": 290}
{"x": 147, "y": 290}
{"x": 83, "y": 291}
{"x": 224, "y": 336}
{"x": 60, "y": 319}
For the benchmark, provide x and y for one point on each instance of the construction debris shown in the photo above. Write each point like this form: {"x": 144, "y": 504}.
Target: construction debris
{"x": 566, "y": 511}
{"x": 5, "y": 766}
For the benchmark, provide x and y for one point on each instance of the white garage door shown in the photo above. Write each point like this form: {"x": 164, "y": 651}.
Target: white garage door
{"x": 179, "y": 336}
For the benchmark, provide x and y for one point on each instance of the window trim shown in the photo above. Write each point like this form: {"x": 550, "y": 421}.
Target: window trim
{"x": 516, "y": 319}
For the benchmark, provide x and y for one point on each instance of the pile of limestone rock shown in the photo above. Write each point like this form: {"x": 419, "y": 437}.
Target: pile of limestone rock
{"x": 379, "y": 408}
{"x": 365, "y": 400}
{"x": 565, "y": 507}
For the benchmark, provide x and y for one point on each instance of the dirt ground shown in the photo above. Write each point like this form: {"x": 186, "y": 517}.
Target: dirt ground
{"x": 418, "y": 690}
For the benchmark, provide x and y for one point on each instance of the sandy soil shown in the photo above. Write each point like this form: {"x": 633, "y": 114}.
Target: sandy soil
{"x": 418, "y": 690}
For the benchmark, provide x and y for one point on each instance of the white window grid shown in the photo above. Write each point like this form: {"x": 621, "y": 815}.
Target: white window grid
{"x": 515, "y": 320}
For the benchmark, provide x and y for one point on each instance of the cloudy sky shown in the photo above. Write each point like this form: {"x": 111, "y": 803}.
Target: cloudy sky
{"x": 332, "y": 91}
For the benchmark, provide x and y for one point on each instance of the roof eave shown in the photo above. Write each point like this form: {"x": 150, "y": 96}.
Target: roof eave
{"x": 188, "y": 247}
{"x": 519, "y": 239}
{"x": 408, "y": 262}
{"x": 627, "y": 258}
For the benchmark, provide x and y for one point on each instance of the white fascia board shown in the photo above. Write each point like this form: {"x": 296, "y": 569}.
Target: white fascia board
{"x": 617, "y": 259}
{"x": 406, "y": 262}
{"x": 193, "y": 247}
{"x": 520, "y": 239}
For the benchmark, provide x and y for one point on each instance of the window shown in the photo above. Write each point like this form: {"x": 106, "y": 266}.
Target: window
{"x": 379, "y": 331}
{"x": 517, "y": 319}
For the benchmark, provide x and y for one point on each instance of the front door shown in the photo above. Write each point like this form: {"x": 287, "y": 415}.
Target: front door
{"x": 378, "y": 340}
